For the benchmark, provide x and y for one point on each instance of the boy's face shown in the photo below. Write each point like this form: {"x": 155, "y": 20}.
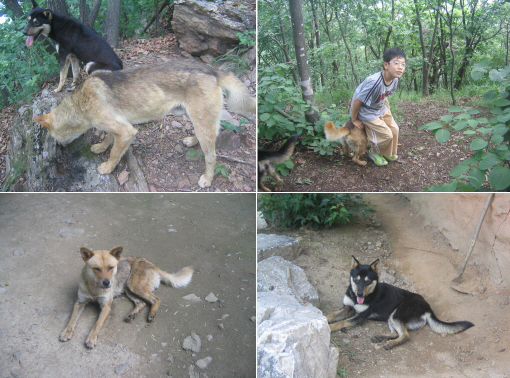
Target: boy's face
{"x": 395, "y": 67}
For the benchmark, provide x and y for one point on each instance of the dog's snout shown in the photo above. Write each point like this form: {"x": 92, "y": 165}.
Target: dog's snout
{"x": 106, "y": 283}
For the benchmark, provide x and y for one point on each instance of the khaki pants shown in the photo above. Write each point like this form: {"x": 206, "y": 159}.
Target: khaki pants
{"x": 382, "y": 133}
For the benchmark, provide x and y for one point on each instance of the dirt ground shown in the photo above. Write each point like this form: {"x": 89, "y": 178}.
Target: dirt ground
{"x": 40, "y": 266}
{"x": 421, "y": 260}
{"x": 423, "y": 162}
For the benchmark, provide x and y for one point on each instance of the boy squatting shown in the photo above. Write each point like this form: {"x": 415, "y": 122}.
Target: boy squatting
{"x": 370, "y": 107}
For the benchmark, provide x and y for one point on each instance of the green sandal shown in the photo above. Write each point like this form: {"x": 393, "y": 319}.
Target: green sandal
{"x": 378, "y": 160}
{"x": 393, "y": 158}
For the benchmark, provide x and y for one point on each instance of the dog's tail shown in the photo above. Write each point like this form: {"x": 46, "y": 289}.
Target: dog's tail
{"x": 439, "y": 326}
{"x": 283, "y": 154}
{"x": 179, "y": 279}
{"x": 333, "y": 133}
{"x": 239, "y": 99}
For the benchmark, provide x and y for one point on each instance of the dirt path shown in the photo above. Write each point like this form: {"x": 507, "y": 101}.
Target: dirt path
{"x": 40, "y": 266}
{"x": 394, "y": 235}
{"x": 423, "y": 162}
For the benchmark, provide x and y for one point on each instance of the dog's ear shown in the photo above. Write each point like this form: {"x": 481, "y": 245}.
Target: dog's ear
{"x": 34, "y": 4}
{"x": 375, "y": 266}
{"x": 86, "y": 254}
{"x": 47, "y": 13}
{"x": 116, "y": 252}
{"x": 45, "y": 120}
{"x": 355, "y": 263}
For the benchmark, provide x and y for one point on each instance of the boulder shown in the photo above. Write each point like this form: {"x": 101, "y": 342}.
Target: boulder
{"x": 277, "y": 245}
{"x": 279, "y": 276}
{"x": 292, "y": 339}
{"x": 209, "y": 27}
{"x": 43, "y": 165}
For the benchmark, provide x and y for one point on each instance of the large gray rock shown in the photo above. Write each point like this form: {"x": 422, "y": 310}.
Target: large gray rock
{"x": 282, "y": 277}
{"x": 277, "y": 245}
{"x": 45, "y": 165}
{"x": 292, "y": 339}
{"x": 208, "y": 27}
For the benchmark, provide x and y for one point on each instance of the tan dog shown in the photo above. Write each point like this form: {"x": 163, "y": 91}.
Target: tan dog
{"x": 114, "y": 101}
{"x": 350, "y": 137}
{"x": 105, "y": 275}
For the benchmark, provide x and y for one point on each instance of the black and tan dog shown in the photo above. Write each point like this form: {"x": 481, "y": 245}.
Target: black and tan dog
{"x": 76, "y": 43}
{"x": 350, "y": 137}
{"x": 268, "y": 159}
{"x": 115, "y": 101}
{"x": 366, "y": 298}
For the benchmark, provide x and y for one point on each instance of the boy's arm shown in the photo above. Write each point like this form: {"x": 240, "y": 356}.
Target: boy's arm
{"x": 356, "y": 105}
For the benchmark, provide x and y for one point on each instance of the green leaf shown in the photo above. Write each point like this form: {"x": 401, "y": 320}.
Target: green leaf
{"x": 497, "y": 139}
{"x": 502, "y": 102}
{"x": 455, "y": 109}
{"x": 478, "y": 144}
{"x": 463, "y": 116}
{"x": 459, "y": 170}
{"x": 264, "y": 117}
{"x": 499, "y": 178}
{"x": 489, "y": 161}
{"x": 442, "y": 135}
{"x": 500, "y": 129}
{"x": 477, "y": 178}
{"x": 469, "y": 132}
{"x": 490, "y": 96}
{"x": 460, "y": 125}
{"x": 477, "y": 73}
{"x": 432, "y": 125}
{"x": 505, "y": 117}
{"x": 447, "y": 118}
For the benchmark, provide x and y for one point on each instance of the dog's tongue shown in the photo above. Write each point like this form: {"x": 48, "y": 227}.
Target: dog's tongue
{"x": 360, "y": 300}
{"x": 30, "y": 40}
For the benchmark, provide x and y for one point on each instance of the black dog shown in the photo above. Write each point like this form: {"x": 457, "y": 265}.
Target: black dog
{"x": 268, "y": 159}
{"x": 76, "y": 43}
{"x": 366, "y": 298}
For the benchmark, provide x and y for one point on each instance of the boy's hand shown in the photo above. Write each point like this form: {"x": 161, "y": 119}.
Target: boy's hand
{"x": 358, "y": 124}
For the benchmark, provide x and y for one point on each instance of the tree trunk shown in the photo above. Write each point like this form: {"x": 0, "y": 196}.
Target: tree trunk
{"x": 298, "y": 34}
{"x": 13, "y": 6}
{"x": 111, "y": 26}
{"x": 58, "y": 6}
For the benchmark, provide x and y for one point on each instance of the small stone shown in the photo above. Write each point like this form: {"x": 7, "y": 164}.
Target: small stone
{"x": 18, "y": 252}
{"x": 192, "y": 343}
{"x": 202, "y": 364}
{"x": 211, "y": 298}
{"x": 192, "y": 298}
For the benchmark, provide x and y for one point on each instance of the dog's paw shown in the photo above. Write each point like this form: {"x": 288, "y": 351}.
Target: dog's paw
{"x": 129, "y": 318}
{"x": 97, "y": 148}
{"x": 388, "y": 346}
{"x": 105, "y": 168}
{"x": 190, "y": 141}
{"x": 66, "y": 335}
{"x": 204, "y": 182}
{"x": 58, "y": 89}
{"x": 377, "y": 339}
{"x": 360, "y": 162}
{"x": 91, "y": 342}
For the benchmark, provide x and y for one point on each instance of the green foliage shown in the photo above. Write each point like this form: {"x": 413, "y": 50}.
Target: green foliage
{"x": 317, "y": 210}
{"x": 22, "y": 69}
{"x": 221, "y": 169}
{"x": 246, "y": 38}
{"x": 491, "y": 152}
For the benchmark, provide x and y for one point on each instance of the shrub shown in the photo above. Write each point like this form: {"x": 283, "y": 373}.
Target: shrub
{"x": 318, "y": 210}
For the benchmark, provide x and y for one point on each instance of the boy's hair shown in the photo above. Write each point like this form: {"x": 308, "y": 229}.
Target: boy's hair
{"x": 393, "y": 53}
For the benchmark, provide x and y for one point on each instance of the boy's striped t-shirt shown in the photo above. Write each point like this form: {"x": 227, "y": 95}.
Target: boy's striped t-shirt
{"x": 372, "y": 93}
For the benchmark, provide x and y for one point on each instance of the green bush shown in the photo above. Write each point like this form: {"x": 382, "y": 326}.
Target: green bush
{"x": 488, "y": 168}
{"x": 318, "y": 210}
